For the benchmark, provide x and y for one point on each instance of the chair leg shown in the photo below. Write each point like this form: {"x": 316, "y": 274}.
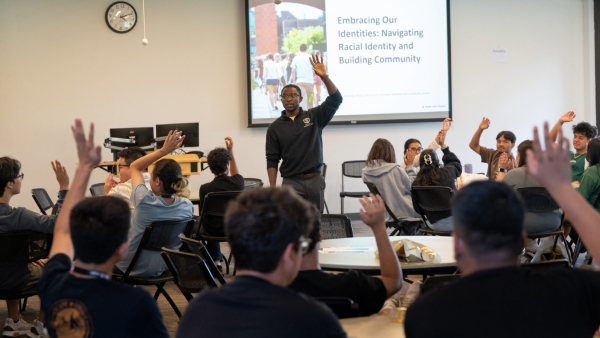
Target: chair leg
{"x": 162, "y": 291}
{"x": 342, "y": 205}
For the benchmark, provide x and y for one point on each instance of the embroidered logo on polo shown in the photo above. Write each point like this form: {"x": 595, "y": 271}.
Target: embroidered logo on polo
{"x": 307, "y": 122}
{"x": 70, "y": 318}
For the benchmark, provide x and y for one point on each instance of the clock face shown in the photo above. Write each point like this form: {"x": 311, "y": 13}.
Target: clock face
{"x": 121, "y": 17}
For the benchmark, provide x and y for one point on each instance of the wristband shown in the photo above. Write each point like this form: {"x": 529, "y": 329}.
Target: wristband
{"x": 502, "y": 170}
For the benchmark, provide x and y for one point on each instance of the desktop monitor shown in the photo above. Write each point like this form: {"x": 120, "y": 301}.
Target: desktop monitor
{"x": 142, "y": 137}
{"x": 190, "y": 130}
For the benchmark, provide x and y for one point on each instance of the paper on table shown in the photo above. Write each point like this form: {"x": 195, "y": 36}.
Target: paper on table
{"x": 346, "y": 249}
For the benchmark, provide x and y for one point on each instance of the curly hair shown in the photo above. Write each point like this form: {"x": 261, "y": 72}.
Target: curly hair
{"x": 218, "y": 159}
{"x": 586, "y": 129}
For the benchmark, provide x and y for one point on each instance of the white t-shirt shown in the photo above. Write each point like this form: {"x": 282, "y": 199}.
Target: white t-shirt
{"x": 304, "y": 70}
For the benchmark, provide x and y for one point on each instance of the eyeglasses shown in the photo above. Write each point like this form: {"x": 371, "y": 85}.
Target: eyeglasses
{"x": 304, "y": 244}
{"x": 21, "y": 175}
{"x": 416, "y": 150}
{"x": 288, "y": 96}
{"x": 123, "y": 166}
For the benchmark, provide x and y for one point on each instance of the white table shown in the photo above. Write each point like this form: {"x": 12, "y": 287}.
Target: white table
{"x": 373, "y": 326}
{"x": 368, "y": 262}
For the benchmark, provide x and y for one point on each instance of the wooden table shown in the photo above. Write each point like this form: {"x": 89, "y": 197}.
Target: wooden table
{"x": 367, "y": 262}
{"x": 372, "y": 326}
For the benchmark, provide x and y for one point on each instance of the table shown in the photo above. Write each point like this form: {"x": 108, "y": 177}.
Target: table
{"x": 367, "y": 262}
{"x": 188, "y": 163}
{"x": 372, "y": 326}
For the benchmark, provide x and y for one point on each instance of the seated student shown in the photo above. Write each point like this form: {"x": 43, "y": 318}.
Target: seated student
{"x": 431, "y": 174}
{"x": 550, "y": 166}
{"x": 84, "y": 302}
{"x": 534, "y": 221}
{"x": 161, "y": 203}
{"x": 123, "y": 188}
{"x": 368, "y": 292}
{"x": 227, "y": 178}
{"x": 493, "y": 290}
{"x": 414, "y": 146}
{"x": 19, "y": 219}
{"x": 505, "y": 142}
{"x": 590, "y": 181}
{"x": 267, "y": 230}
{"x": 583, "y": 133}
{"x": 392, "y": 181}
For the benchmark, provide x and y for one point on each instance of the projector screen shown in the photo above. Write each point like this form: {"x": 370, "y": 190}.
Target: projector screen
{"x": 390, "y": 59}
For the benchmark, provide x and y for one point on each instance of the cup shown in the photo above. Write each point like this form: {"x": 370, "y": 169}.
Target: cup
{"x": 468, "y": 168}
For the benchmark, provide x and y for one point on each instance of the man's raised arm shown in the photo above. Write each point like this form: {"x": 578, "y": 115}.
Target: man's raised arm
{"x": 372, "y": 214}
{"x": 483, "y": 125}
{"x": 566, "y": 117}
{"x": 89, "y": 157}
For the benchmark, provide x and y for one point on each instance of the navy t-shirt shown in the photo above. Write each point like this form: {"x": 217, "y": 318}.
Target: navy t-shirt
{"x": 81, "y": 307}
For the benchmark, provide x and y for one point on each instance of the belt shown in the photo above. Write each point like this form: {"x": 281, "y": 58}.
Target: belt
{"x": 307, "y": 176}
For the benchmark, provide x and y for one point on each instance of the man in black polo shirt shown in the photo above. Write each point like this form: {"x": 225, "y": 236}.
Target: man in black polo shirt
{"x": 227, "y": 178}
{"x": 295, "y": 138}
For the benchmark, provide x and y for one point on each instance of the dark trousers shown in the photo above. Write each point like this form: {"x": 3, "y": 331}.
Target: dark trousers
{"x": 311, "y": 189}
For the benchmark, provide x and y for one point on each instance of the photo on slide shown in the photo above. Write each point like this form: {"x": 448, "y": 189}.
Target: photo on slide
{"x": 390, "y": 59}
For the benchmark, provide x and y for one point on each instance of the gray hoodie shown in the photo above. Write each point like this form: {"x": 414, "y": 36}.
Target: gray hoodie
{"x": 394, "y": 183}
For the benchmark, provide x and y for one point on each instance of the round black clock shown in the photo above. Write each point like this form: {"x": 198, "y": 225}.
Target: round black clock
{"x": 121, "y": 17}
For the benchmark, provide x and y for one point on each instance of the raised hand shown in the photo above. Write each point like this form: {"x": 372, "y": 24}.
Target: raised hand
{"x": 228, "y": 143}
{"x": 318, "y": 65}
{"x": 446, "y": 125}
{"x": 550, "y": 166}
{"x": 88, "y": 153}
{"x": 484, "y": 124}
{"x": 567, "y": 117}
{"x": 441, "y": 139}
{"x": 61, "y": 175}
{"x": 372, "y": 211}
{"x": 173, "y": 141}
{"x": 109, "y": 183}
{"x": 409, "y": 157}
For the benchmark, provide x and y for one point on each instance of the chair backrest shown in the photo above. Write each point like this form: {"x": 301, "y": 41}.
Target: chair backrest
{"x": 353, "y": 168}
{"x": 547, "y": 265}
{"x": 537, "y": 199}
{"x": 252, "y": 183}
{"x": 42, "y": 199}
{"x": 432, "y": 203}
{"x": 342, "y": 307}
{"x": 433, "y": 283}
{"x": 324, "y": 170}
{"x": 22, "y": 247}
{"x": 336, "y": 226}
{"x": 197, "y": 248}
{"x": 159, "y": 235}
{"x": 189, "y": 271}
{"x": 97, "y": 189}
{"x": 213, "y": 210}
{"x": 373, "y": 189}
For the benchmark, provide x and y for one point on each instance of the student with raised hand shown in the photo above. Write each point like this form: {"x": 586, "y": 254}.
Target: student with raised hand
{"x": 505, "y": 142}
{"x": 583, "y": 133}
{"x": 413, "y": 146}
{"x": 161, "y": 203}
{"x": 551, "y": 166}
{"x": 83, "y": 301}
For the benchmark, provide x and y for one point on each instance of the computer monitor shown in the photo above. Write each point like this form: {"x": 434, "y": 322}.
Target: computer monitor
{"x": 142, "y": 137}
{"x": 190, "y": 130}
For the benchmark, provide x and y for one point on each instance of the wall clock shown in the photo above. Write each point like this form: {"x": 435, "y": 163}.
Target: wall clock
{"x": 121, "y": 17}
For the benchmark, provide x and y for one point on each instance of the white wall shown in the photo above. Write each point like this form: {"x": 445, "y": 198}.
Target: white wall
{"x": 58, "y": 61}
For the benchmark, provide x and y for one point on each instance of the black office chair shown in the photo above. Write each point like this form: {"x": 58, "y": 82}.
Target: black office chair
{"x": 42, "y": 199}
{"x": 433, "y": 204}
{"x": 157, "y": 236}
{"x": 538, "y": 200}
{"x": 97, "y": 189}
{"x": 408, "y": 227}
{"x": 19, "y": 248}
{"x": 211, "y": 216}
{"x": 351, "y": 169}
{"x": 342, "y": 307}
{"x": 433, "y": 283}
{"x": 336, "y": 226}
{"x": 252, "y": 183}
{"x": 547, "y": 265}
{"x": 190, "y": 273}
{"x": 197, "y": 248}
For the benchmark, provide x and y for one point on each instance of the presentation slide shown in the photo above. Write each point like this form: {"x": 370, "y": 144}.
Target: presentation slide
{"x": 390, "y": 59}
